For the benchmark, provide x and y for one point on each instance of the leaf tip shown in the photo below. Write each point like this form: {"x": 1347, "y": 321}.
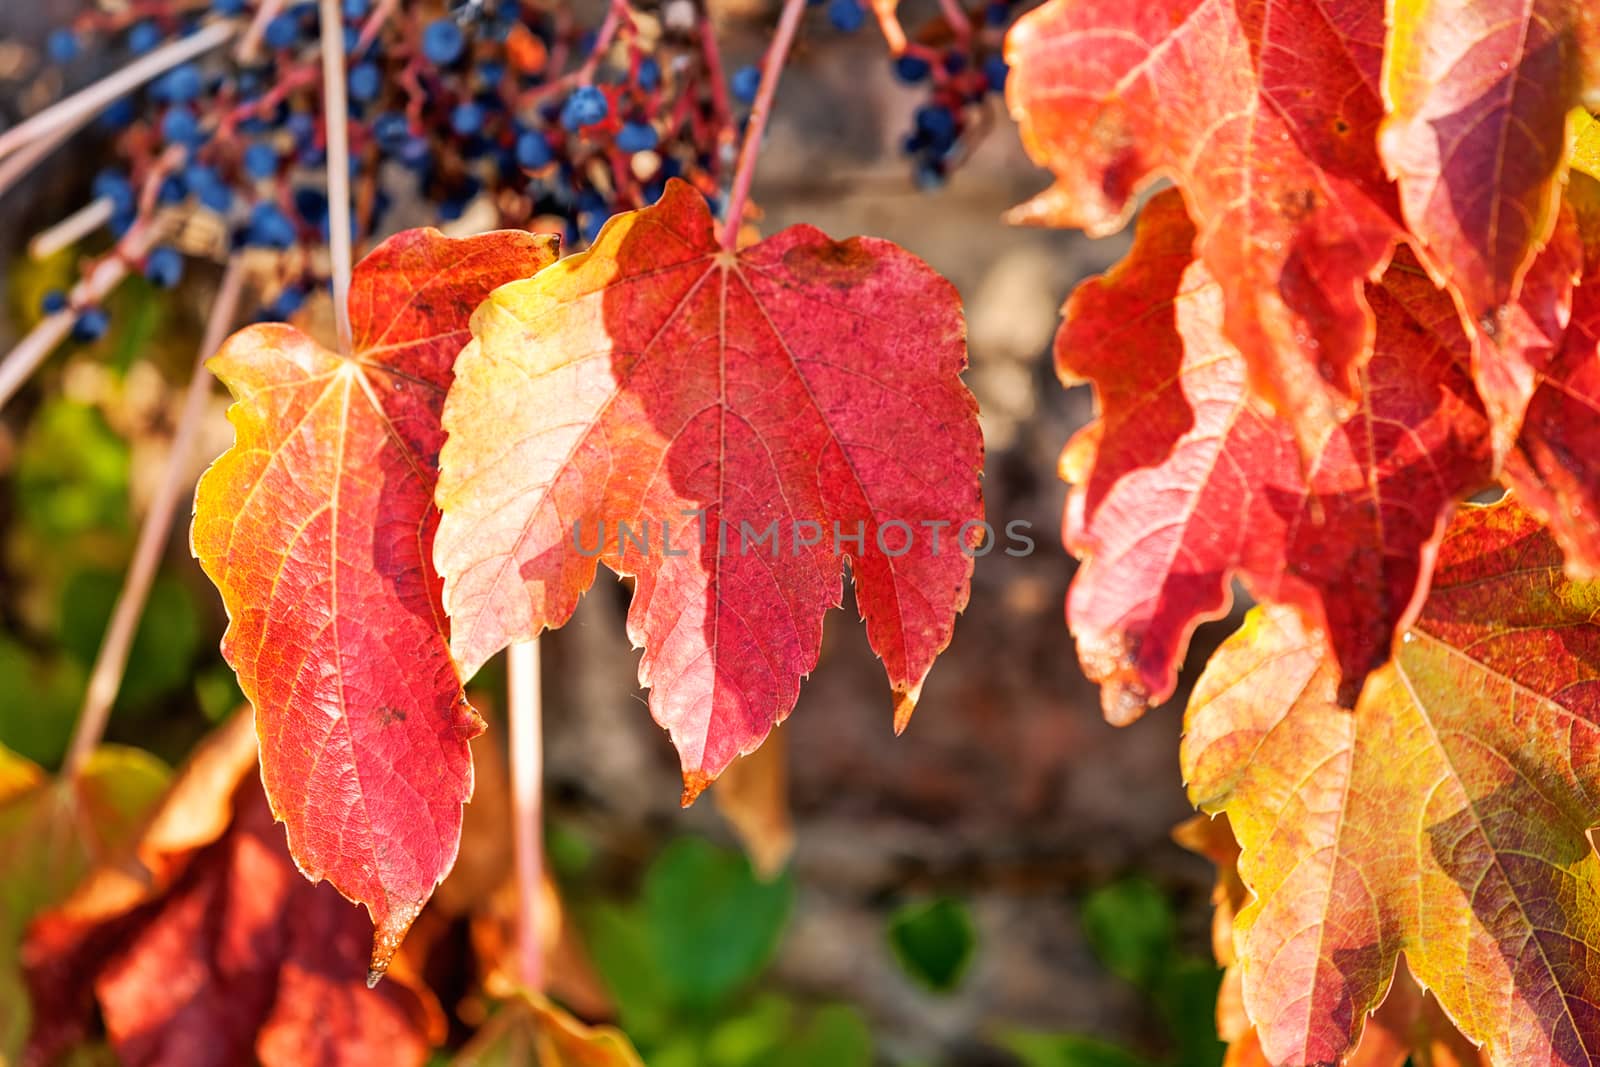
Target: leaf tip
{"x": 694, "y": 783}
{"x": 387, "y": 933}
{"x": 905, "y": 702}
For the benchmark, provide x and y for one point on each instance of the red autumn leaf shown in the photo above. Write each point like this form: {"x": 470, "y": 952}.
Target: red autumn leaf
{"x": 1444, "y": 818}
{"x": 1555, "y": 467}
{"x": 1265, "y": 115}
{"x": 804, "y": 387}
{"x": 1184, "y": 482}
{"x": 1479, "y": 93}
{"x": 317, "y": 527}
{"x": 205, "y": 946}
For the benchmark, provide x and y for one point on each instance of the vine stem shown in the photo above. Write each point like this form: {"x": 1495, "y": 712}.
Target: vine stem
{"x": 112, "y": 659}
{"x": 771, "y": 71}
{"x": 85, "y": 104}
{"x": 525, "y": 714}
{"x": 336, "y": 117}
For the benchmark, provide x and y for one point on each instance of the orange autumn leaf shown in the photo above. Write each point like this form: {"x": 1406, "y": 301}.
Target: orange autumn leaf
{"x": 317, "y": 528}
{"x": 1555, "y": 467}
{"x": 1184, "y": 482}
{"x": 727, "y": 428}
{"x": 1265, "y": 115}
{"x": 203, "y": 945}
{"x": 1444, "y": 818}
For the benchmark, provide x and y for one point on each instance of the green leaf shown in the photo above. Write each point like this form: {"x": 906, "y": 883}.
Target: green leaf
{"x": 71, "y": 473}
{"x": 934, "y": 942}
{"x": 164, "y": 646}
{"x": 1067, "y": 1050}
{"x": 1132, "y": 930}
{"x": 836, "y": 1035}
{"x": 712, "y": 924}
{"x": 39, "y": 699}
{"x": 619, "y": 943}
{"x": 1186, "y": 996}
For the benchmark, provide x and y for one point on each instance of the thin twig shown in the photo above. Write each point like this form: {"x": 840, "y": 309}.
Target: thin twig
{"x": 249, "y": 49}
{"x": 957, "y": 17}
{"x": 106, "y": 676}
{"x": 72, "y": 229}
{"x": 85, "y": 104}
{"x": 336, "y": 117}
{"x": 771, "y": 71}
{"x": 525, "y": 714}
{"x": 20, "y": 164}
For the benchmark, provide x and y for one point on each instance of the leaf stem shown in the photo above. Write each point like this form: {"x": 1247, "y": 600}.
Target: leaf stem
{"x": 106, "y": 675}
{"x": 771, "y": 71}
{"x": 85, "y": 104}
{"x": 525, "y": 715}
{"x": 336, "y": 117}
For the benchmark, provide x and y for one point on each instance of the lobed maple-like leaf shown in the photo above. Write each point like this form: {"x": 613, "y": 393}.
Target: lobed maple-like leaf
{"x": 317, "y": 528}
{"x": 1555, "y": 466}
{"x": 1479, "y": 93}
{"x": 52, "y": 831}
{"x": 777, "y": 401}
{"x": 1266, "y": 116}
{"x": 1444, "y": 818}
{"x": 205, "y": 946}
{"x": 1184, "y": 482}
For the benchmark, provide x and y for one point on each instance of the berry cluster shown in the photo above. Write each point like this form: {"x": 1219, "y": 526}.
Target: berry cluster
{"x": 507, "y": 108}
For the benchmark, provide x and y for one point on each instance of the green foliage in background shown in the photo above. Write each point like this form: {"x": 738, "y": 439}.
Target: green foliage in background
{"x": 1132, "y": 929}
{"x": 684, "y": 963}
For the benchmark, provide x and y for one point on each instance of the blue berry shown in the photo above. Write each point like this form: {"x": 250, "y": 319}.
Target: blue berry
{"x": 490, "y": 74}
{"x": 53, "y": 301}
{"x": 270, "y": 227}
{"x": 649, "y": 74}
{"x": 467, "y": 118}
{"x": 179, "y": 85}
{"x": 911, "y": 69}
{"x": 61, "y": 46}
{"x": 302, "y": 126}
{"x": 311, "y": 204}
{"x": 163, "y": 266}
{"x": 172, "y": 190}
{"x": 119, "y": 114}
{"x": 929, "y": 175}
{"x": 442, "y": 42}
{"x": 365, "y": 82}
{"x": 936, "y": 126}
{"x": 290, "y": 300}
{"x": 179, "y": 126}
{"x": 847, "y": 16}
{"x": 533, "y": 151}
{"x": 997, "y": 13}
{"x": 282, "y": 32}
{"x": 228, "y": 8}
{"x": 590, "y": 223}
{"x": 142, "y": 37}
{"x": 355, "y": 9}
{"x": 995, "y": 69}
{"x": 585, "y": 107}
{"x": 746, "y": 83}
{"x": 110, "y": 185}
{"x": 637, "y": 137}
{"x": 208, "y": 187}
{"x": 260, "y": 160}
{"x": 91, "y": 325}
